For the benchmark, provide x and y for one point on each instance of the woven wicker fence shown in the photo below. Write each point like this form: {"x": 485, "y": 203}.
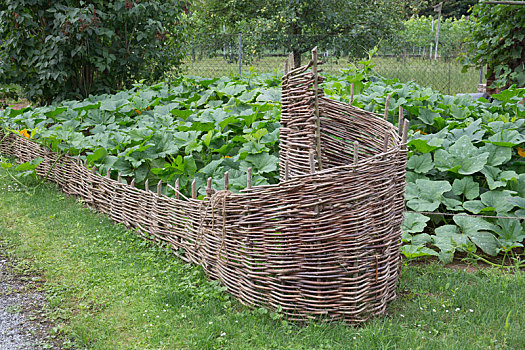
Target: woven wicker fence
{"x": 323, "y": 243}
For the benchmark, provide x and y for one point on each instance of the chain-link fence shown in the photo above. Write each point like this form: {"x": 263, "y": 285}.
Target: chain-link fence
{"x": 216, "y": 55}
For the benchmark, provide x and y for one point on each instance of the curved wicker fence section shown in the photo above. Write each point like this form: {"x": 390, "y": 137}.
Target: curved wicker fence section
{"x": 323, "y": 243}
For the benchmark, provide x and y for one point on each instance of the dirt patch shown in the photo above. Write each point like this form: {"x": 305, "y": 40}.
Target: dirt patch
{"x": 23, "y": 324}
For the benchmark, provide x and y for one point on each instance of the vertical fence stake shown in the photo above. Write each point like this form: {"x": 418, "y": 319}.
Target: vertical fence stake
{"x": 351, "y": 93}
{"x": 108, "y": 173}
{"x": 146, "y": 185}
{"x": 194, "y": 189}
{"x": 226, "y": 180}
{"x": 405, "y": 134}
{"x": 249, "y": 178}
{"x": 119, "y": 179}
{"x": 177, "y": 186}
{"x": 400, "y": 121}
{"x": 316, "y": 111}
{"x": 387, "y": 102}
{"x": 240, "y": 54}
{"x": 208, "y": 188}
{"x": 385, "y": 143}
{"x": 159, "y": 188}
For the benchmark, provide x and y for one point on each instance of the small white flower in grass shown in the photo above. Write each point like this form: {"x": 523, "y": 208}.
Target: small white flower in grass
{"x": 457, "y": 309}
{"x": 164, "y": 310}
{"x": 354, "y": 338}
{"x": 419, "y": 325}
{"x": 158, "y": 316}
{"x": 446, "y": 310}
{"x": 443, "y": 305}
{"x": 143, "y": 314}
{"x": 183, "y": 316}
{"x": 236, "y": 321}
{"x": 433, "y": 310}
{"x": 151, "y": 325}
{"x": 167, "y": 305}
{"x": 420, "y": 308}
{"x": 223, "y": 334}
{"x": 470, "y": 310}
{"x": 401, "y": 315}
{"x": 211, "y": 322}
{"x": 429, "y": 332}
{"x": 145, "y": 310}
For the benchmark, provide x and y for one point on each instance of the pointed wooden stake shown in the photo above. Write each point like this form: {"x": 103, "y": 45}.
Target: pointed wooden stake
{"x": 133, "y": 182}
{"x": 400, "y": 121}
{"x": 405, "y": 135}
{"x": 249, "y": 178}
{"x": 387, "y": 102}
{"x": 119, "y": 179}
{"x": 146, "y": 185}
{"x": 194, "y": 189}
{"x": 108, "y": 173}
{"x": 208, "y": 188}
{"x": 226, "y": 180}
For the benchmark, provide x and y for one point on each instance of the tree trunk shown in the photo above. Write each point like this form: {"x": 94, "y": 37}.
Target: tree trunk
{"x": 296, "y": 58}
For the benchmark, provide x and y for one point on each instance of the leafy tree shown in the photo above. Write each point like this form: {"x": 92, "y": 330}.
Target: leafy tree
{"x": 450, "y": 9}
{"x": 498, "y": 41}
{"x": 69, "y": 49}
{"x": 299, "y": 25}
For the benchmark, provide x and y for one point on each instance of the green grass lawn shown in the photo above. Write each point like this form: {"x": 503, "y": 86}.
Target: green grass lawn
{"x": 442, "y": 75}
{"x": 108, "y": 289}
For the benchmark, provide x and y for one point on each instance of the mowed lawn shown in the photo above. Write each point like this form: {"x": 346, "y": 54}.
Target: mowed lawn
{"x": 108, "y": 289}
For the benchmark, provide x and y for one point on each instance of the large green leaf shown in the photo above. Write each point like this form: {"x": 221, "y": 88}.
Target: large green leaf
{"x": 414, "y": 222}
{"x": 411, "y": 251}
{"x": 420, "y": 163}
{"x": 507, "y": 138}
{"x": 467, "y": 187}
{"x": 511, "y": 233}
{"x": 426, "y": 145}
{"x": 499, "y": 200}
{"x": 262, "y": 162}
{"x": 498, "y": 155}
{"x": 426, "y": 195}
{"x": 462, "y": 157}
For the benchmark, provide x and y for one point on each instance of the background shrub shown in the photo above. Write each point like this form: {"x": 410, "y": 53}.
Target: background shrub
{"x": 70, "y": 49}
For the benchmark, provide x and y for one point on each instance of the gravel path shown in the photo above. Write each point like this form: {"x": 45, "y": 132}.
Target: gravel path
{"x": 21, "y": 323}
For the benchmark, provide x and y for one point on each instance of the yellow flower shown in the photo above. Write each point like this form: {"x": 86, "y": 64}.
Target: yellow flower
{"x": 24, "y": 133}
{"x": 521, "y": 152}
{"x": 227, "y": 157}
{"x": 138, "y": 111}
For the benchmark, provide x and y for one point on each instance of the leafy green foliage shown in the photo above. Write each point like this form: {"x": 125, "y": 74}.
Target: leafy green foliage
{"x": 498, "y": 41}
{"x": 297, "y": 26}
{"x": 191, "y": 128}
{"x": 466, "y": 157}
{"x": 60, "y": 50}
